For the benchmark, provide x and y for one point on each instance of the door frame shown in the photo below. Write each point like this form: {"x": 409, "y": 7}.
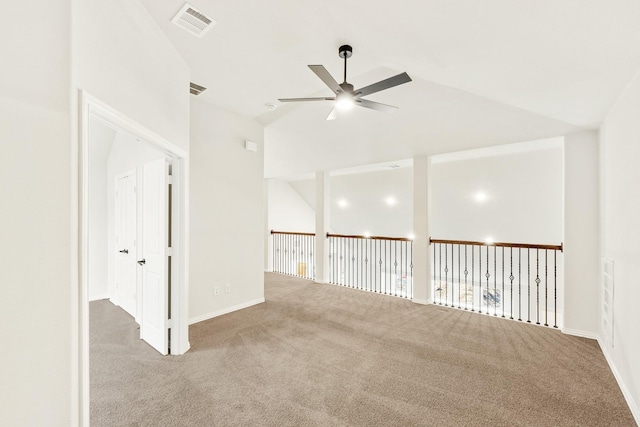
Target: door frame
{"x": 91, "y": 107}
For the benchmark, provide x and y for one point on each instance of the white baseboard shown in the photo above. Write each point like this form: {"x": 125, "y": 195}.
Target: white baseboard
{"x": 579, "y": 333}
{"x": 633, "y": 405}
{"x": 421, "y": 301}
{"x": 99, "y": 297}
{"x": 225, "y": 311}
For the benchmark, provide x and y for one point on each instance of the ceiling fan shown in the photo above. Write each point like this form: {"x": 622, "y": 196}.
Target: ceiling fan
{"x": 345, "y": 96}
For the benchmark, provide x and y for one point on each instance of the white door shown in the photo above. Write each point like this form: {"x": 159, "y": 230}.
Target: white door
{"x": 154, "y": 264}
{"x": 126, "y": 243}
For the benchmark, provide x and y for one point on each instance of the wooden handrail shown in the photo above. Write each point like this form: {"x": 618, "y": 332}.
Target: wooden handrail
{"x": 499, "y": 244}
{"x": 354, "y": 236}
{"x": 294, "y": 233}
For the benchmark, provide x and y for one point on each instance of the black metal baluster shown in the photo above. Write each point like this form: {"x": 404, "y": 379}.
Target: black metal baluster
{"x": 334, "y": 250}
{"x": 345, "y": 279}
{"x": 290, "y": 260}
{"x": 356, "y": 262}
{"x": 459, "y": 277}
{"x": 304, "y": 255}
{"x": 520, "y": 284}
{"x": 434, "y": 286}
{"x": 401, "y": 265}
{"x": 411, "y": 267}
{"x": 473, "y": 289}
{"x": 511, "y": 279}
{"x": 466, "y": 271}
{"x": 385, "y": 266}
{"x": 555, "y": 289}
{"x": 366, "y": 264}
{"x": 495, "y": 280}
{"x": 502, "y": 296}
{"x": 375, "y": 265}
{"x": 347, "y": 246}
{"x": 446, "y": 278}
{"x": 362, "y": 266}
{"x": 308, "y": 260}
{"x": 341, "y": 250}
{"x": 282, "y": 254}
{"x": 545, "y": 289}
{"x": 273, "y": 252}
{"x": 487, "y": 275}
{"x": 537, "y": 286}
{"x": 452, "y": 270}
{"x": 286, "y": 254}
{"x": 395, "y": 267}
{"x": 354, "y": 265}
{"x": 528, "y": 285}
{"x": 440, "y": 273}
{"x": 480, "y": 277}
{"x": 369, "y": 275}
{"x": 389, "y": 267}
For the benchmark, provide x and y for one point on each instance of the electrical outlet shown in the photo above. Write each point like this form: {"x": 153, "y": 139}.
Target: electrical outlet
{"x": 227, "y": 288}
{"x": 216, "y": 290}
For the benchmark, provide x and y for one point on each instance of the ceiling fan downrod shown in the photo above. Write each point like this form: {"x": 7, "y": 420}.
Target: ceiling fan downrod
{"x": 345, "y": 51}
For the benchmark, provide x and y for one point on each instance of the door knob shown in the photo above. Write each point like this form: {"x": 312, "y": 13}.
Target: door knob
{"x": 124, "y": 251}
{"x": 142, "y": 261}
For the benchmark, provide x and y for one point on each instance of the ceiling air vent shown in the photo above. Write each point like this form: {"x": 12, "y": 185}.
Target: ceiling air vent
{"x": 193, "y": 20}
{"x": 196, "y": 89}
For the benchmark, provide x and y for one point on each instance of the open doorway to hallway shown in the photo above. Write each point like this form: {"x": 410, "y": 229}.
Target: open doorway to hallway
{"x": 132, "y": 238}
{"x": 129, "y": 228}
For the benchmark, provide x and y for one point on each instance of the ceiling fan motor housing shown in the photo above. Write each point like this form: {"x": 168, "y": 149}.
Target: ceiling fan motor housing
{"x": 346, "y": 87}
{"x": 345, "y": 51}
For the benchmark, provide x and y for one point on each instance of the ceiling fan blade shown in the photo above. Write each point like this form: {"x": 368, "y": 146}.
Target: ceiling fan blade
{"x": 326, "y": 77}
{"x": 376, "y": 106}
{"x": 333, "y": 114}
{"x": 306, "y": 99}
{"x": 384, "y": 84}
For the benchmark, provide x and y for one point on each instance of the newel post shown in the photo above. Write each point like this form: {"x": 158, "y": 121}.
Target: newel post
{"x": 323, "y": 221}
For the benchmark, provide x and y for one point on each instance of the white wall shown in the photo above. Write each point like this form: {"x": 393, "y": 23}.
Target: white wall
{"x": 35, "y": 181}
{"x": 581, "y": 234}
{"x": 365, "y": 194}
{"x": 226, "y": 212}
{"x": 122, "y": 58}
{"x": 102, "y": 138}
{"x": 523, "y": 196}
{"x": 620, "y": 204}
{"x": 287, "y": 210}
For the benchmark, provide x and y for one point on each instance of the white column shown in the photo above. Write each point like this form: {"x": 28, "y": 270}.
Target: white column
{"x": 421, "y": 248}
{"x": 322, "y": 226}
{"x": 581, "y": 234}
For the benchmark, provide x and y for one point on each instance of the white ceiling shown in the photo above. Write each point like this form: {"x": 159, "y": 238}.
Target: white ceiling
{"x": 484, "y": 70}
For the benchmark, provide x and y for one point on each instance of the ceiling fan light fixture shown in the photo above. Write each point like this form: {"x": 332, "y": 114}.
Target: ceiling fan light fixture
{"x": 344, "y": 101}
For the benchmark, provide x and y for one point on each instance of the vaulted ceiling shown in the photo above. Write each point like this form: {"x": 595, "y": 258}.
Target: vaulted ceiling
{"x": 484, "y": 71}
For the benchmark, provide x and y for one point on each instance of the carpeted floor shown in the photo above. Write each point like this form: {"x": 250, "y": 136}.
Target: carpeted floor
{"x": 323, "y": 355}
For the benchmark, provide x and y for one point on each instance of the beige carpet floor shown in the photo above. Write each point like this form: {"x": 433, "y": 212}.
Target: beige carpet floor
{"x": 324, "y": 355}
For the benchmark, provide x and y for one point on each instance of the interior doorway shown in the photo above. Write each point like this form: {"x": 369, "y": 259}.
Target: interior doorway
{"x": 133, "y": 246}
